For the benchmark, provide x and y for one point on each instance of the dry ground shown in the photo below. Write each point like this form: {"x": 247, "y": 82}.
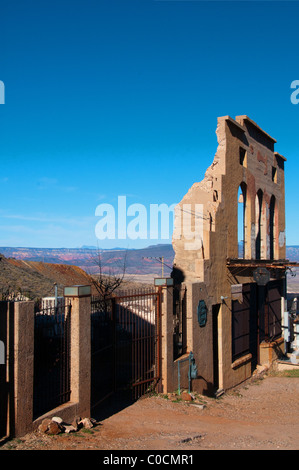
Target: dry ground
{"x": 261, "y": 414}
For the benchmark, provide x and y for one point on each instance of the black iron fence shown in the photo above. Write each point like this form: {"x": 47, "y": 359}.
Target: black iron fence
{"x": 138, "y": 350}
{"x": 6, "y": 367}
{"x": 51, "y": 357}
{"x": 125, "y": 344}
{"x": 102, "y": 350}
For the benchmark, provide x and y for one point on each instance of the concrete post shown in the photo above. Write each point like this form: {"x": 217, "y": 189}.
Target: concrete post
{"x": 80, "y": 298}
{"x": 167, "y": 338}
{"x": 23, "y": 366}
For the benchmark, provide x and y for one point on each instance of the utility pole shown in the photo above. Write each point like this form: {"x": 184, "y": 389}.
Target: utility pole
{"x": 158, "y": 258}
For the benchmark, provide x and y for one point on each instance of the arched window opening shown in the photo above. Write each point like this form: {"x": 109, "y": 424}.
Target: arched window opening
{"x": 258, "y": 224}
{"x": 272, "y": 227}
{"x": 241, "y": 220}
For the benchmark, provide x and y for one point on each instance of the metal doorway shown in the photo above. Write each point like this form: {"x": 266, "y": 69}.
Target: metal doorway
{"x": 245, "y": 325}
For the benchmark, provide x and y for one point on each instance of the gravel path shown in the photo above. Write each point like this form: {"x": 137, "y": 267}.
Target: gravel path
{"x": 262, "y": 414}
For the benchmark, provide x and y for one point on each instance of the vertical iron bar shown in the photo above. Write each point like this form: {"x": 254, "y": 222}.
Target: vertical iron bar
{"x": 139, "y": 352}
{"x": 133, "y": 348}
{"x": 11, "y": 374}
{"x": 4, "y": 379}
{"x": 158, "y": 333}
{"x": 114, "y": 352}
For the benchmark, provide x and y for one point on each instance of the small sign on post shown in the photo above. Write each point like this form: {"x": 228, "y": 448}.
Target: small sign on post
{"x": 163, "y": 281}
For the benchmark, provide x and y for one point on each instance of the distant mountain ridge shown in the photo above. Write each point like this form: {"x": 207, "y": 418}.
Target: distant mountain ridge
{"x": 138, "y": 261}
{"x": 293, "y": 253}
{"x": 35, "y": 270}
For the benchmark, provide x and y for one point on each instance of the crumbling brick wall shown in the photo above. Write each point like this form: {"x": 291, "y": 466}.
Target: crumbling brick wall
{"x": 245, "y": 158}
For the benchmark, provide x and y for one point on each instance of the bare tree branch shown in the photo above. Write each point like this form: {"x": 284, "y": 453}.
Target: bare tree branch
{"x": 105, "y": 282}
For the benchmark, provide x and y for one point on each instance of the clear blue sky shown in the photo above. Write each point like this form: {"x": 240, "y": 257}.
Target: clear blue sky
{"x": 121, "y": 97}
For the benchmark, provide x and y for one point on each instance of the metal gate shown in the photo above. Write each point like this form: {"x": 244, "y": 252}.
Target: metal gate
{"x": 125, "y": 345}
{"x": 51, "y": 358}
{"x": 6, "y": 368}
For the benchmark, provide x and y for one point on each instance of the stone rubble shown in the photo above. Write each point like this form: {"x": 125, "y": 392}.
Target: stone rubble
{"x": 56, "y": 425}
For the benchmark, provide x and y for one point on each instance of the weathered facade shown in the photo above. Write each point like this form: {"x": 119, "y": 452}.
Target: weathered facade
{"x": 229, "y": 243}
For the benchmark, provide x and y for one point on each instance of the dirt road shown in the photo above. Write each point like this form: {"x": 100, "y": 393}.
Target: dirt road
{"x": 262, "y": 414}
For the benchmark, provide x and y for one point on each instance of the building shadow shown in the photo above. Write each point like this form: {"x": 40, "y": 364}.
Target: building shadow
{"x": 112, "y": 405}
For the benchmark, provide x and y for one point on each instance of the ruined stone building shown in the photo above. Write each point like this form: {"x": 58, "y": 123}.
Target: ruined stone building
{"x": 229, "y": 266}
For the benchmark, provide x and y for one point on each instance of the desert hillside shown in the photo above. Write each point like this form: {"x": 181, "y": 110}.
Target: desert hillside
{"x": 36, "y": 279}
